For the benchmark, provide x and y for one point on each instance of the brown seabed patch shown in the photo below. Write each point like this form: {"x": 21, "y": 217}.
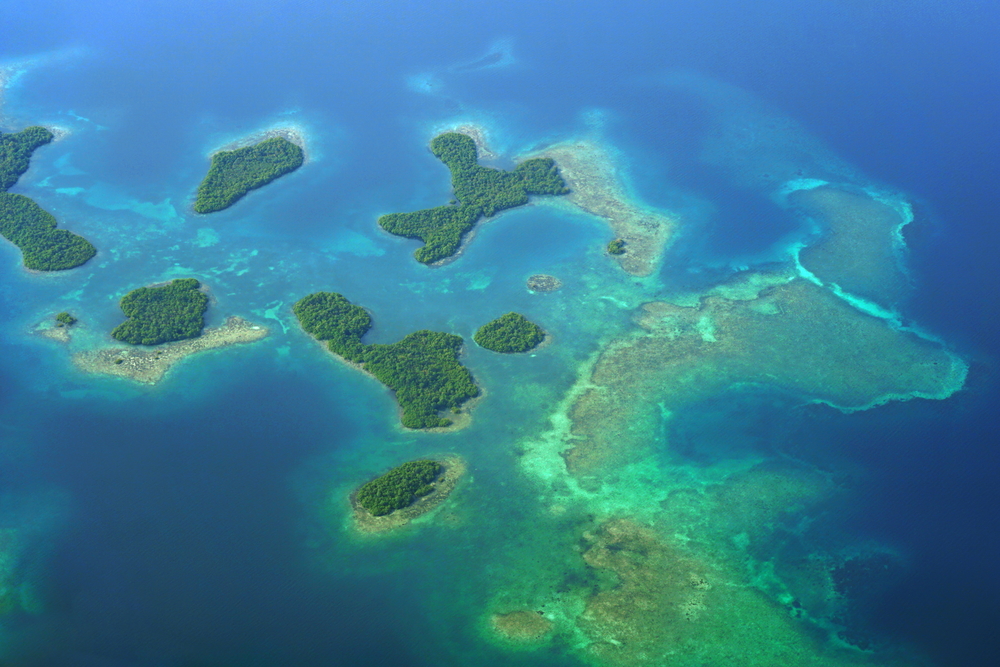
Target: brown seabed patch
{"x": 596, "y": 188}
{"x": 149, "y": 365}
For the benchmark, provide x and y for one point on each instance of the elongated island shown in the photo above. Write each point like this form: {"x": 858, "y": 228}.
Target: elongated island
{"x": 422, "y": 369}
{"x": 407, "y": 491}
{"x": 16, "y": 149}
{"x": 235, "y": 173}
{"x": 479, "y": 192}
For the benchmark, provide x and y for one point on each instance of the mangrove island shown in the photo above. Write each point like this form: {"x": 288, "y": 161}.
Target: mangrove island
{"x": 399, "y": 487}
{"x": 33, "y": 230}
{"x": 616, "y": 247}
{"x": 15, "y": 152}
{"x": 163, "y": 313}
{"x": 422, "y": 369}
{"x": 64, "y": 319}
{"x": 23, "y": 222}
{"x": 237, "y": 172}
{"x": 509, "y": 333}
{"x": 479, "y": 191}
{"x": 405, "y": 492}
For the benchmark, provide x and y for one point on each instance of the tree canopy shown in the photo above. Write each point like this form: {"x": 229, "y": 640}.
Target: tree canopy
{"x": 64, "y": 319}
{"x": 235, "y": 173}
{"x": 616, "y": 247}
{"x": 163, "y": 313}
{"x": 400, "y": 487}
{"x": 422, "y": 369}
{"x": 508, "y": 333}
{"x": 479, "y": 191}
{"x": 15, "y": 152}
{"x": 33, "y": 229}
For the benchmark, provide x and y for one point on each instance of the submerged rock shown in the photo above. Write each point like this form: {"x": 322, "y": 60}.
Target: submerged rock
{"x": 543, "y": 283}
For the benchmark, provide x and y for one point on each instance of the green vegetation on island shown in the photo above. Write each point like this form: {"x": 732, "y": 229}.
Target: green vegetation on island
{"x": 64, "y": 319}
{"x": 479, "y": 191}
{"x": 235, "y": 173}
{"x": 163, "y": 313}
{"x": 512, "y": 332}
{"x": 15, "y": 152}
{"x": 400, "y": 487}
{"x": 33, "y": 229}
{"x": 616, "y": 247}
{"x": 422, "y": 369}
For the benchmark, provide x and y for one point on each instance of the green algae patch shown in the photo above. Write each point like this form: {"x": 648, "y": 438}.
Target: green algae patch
{"x": 422, "y": 369}
{"x": 859, "y": 250}
{"x": 235, "y": 173}
{"x": 660, "y": 604}
{"x": 479, "y": 192}
{"x": 522, "y": 626}
{"x": 163, "y": 313}
{"x": 16, "y": 149}
{"x": 509, "y": 333}
{"x": 410, "y": 490}
{"x": 795, "y": 336}
{"x": 33, "y": 230}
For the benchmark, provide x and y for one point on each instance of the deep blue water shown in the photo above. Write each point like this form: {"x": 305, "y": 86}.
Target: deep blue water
{"x": 188, "y": 524}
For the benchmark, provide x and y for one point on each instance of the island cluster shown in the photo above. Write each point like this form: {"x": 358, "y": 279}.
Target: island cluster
{"x": 23, "y": 222}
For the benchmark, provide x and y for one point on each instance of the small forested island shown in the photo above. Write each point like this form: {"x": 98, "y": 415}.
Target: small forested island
{"x": 616, "y": 247}
{"x": 64, "y": 319}
{"x": 405, "y": 492}
{"x": 479, "y": 191}
{"x": 422, "y": 369}
{"x": 33, "y": 229}
{"x": 508, "y": 333}
{"x": 15, "y": 152}
{"x": 163, "y": 313}
{"x": 399, "y": 487}
{"x": 237, "y": 172}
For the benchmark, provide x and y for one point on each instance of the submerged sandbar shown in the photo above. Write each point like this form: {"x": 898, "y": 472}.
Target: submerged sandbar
{"x": 149, "y": 365}
{"x": 794, "y": 336}
{"x": 861, "y": 246}
{"x": 597, "y": 189}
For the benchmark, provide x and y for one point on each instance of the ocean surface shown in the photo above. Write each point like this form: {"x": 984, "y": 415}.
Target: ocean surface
{"x": 204, "y": 520}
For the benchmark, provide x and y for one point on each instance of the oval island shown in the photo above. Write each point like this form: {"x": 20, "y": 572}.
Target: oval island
{"x": 510, "y": 333}
{"x": 407, "y": 491}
